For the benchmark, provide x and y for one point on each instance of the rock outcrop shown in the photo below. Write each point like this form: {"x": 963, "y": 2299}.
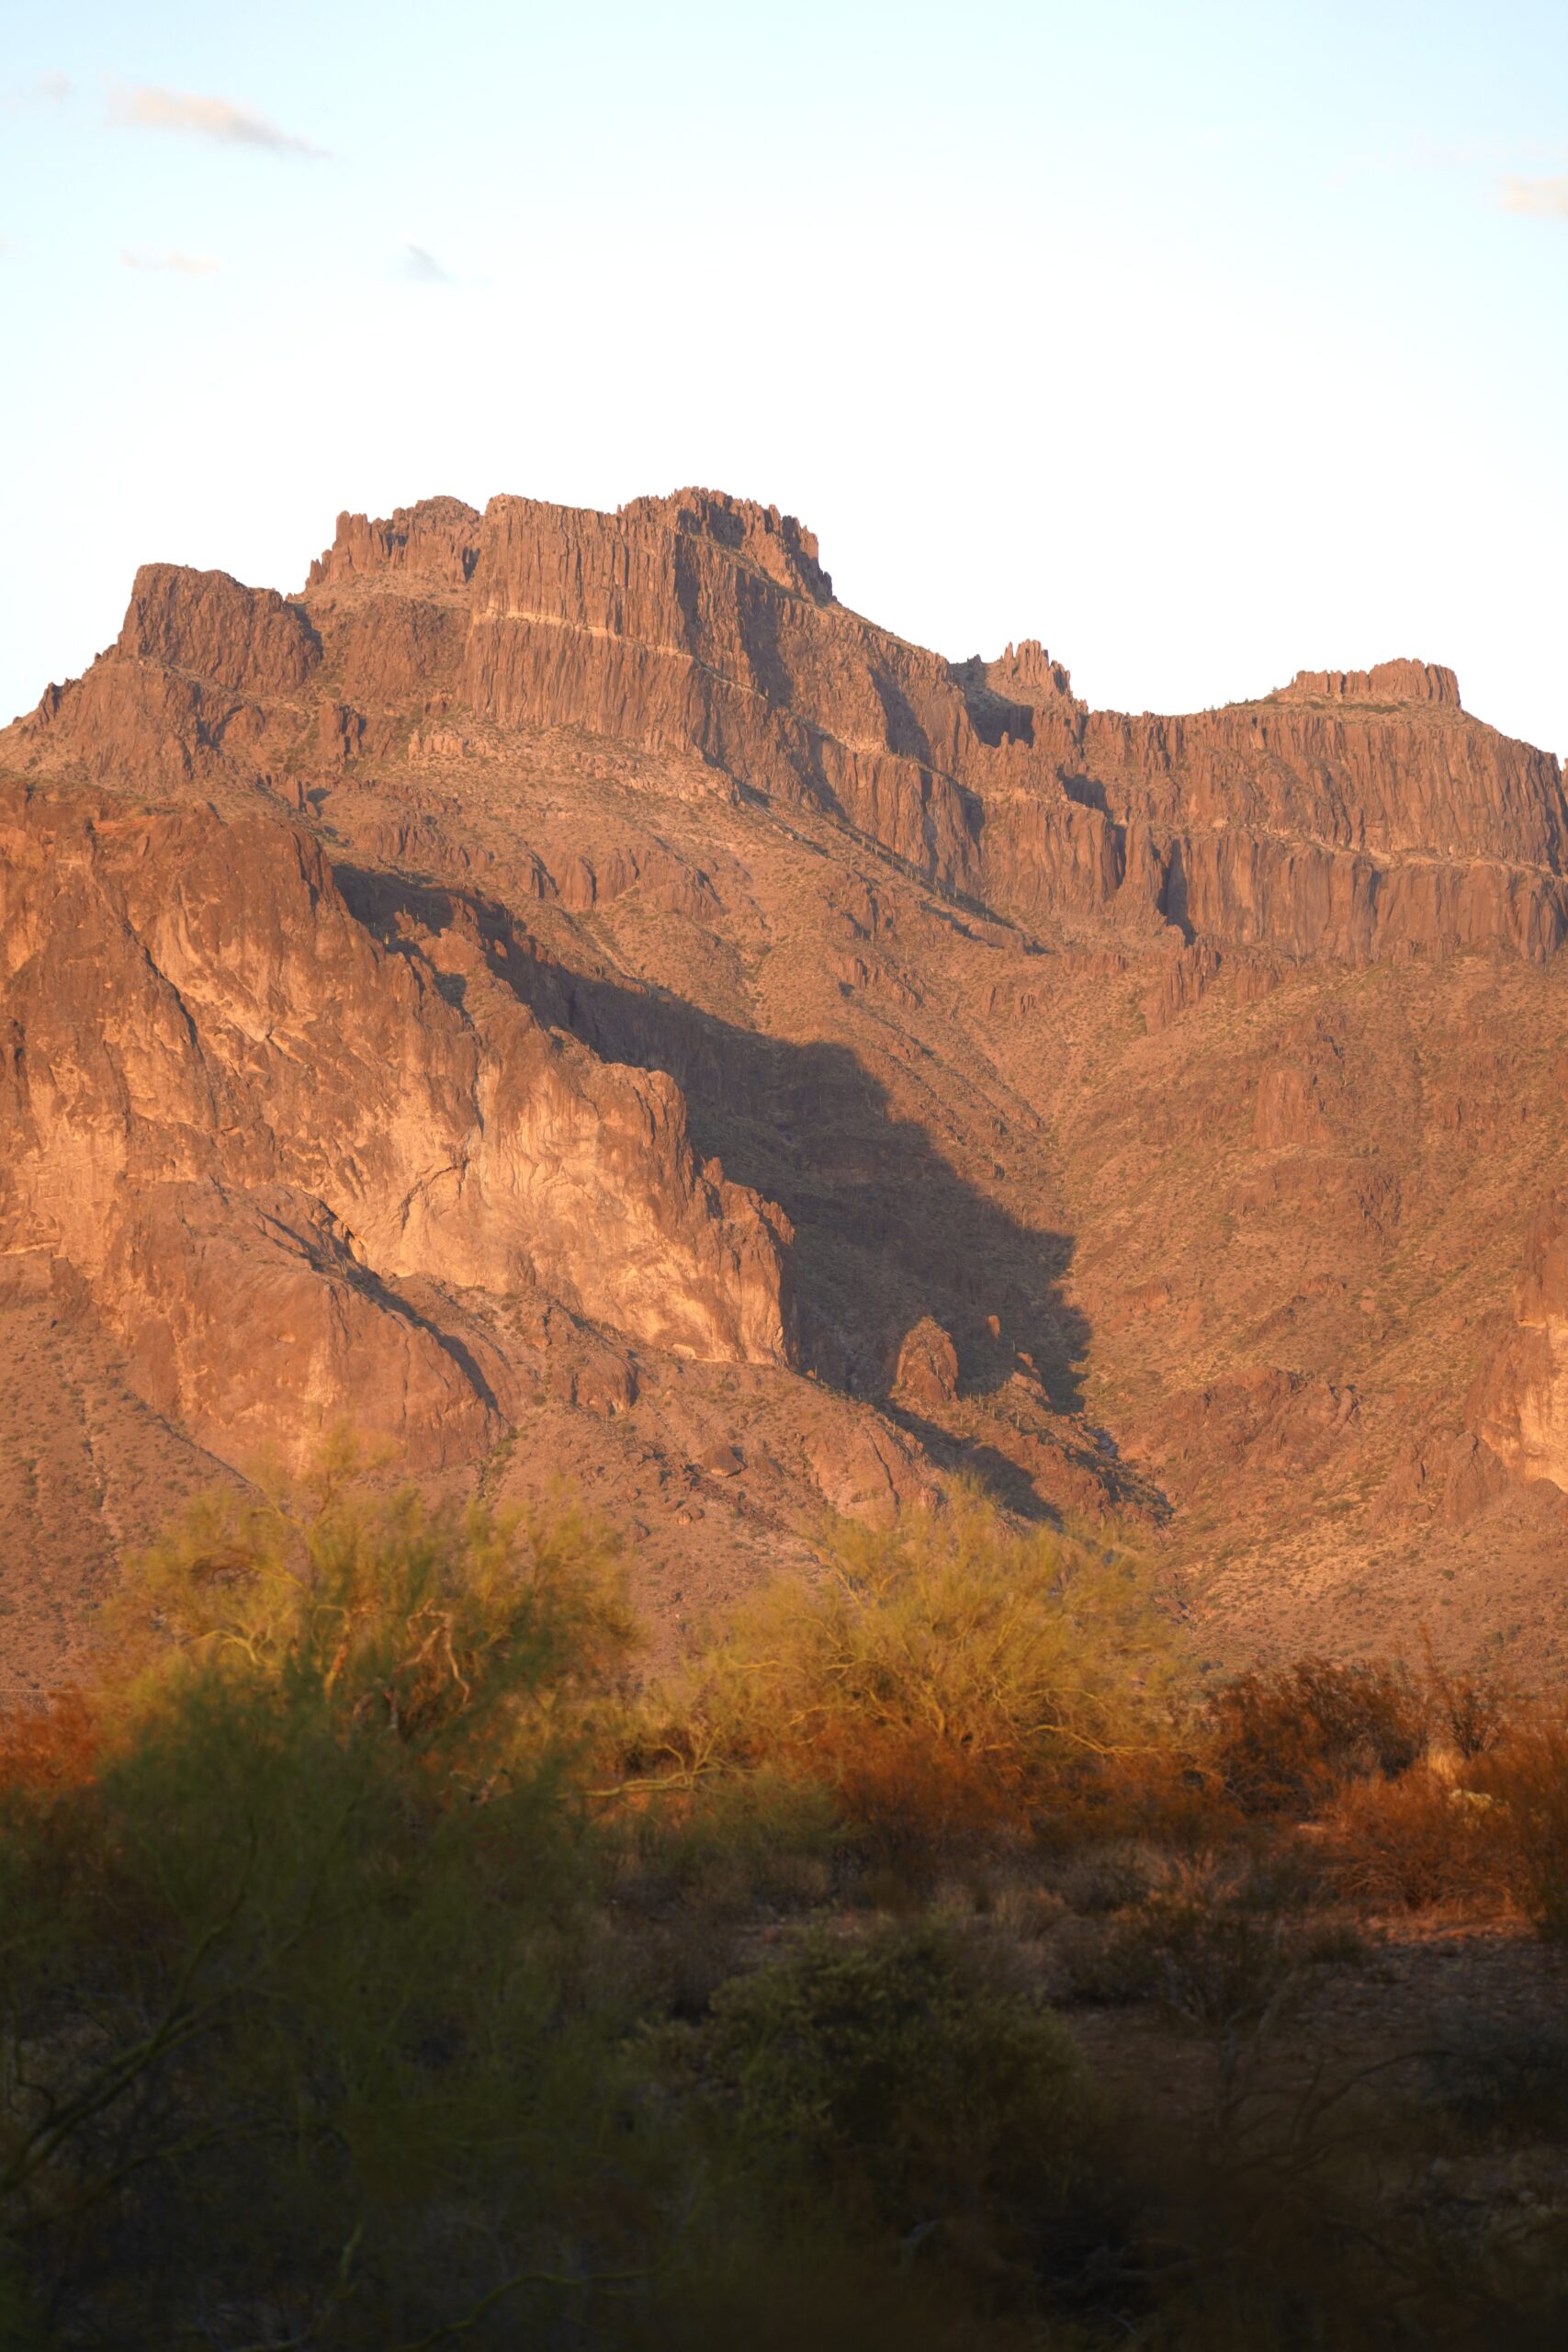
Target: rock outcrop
{"x": 1520, "y": 1407}
{"x": 1351, "y": 816}
{"x": 436, "y": 544}
{"x": 246, "y": 1121}
{"x": 1385, "y": 682}
{"x": 206, "y": 624}
{"x": 709, "y": 623}
{"x": 927, "y": 1371}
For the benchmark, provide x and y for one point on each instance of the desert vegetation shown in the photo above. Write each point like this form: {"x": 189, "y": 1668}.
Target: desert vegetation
{"x": 389, "y": 1958}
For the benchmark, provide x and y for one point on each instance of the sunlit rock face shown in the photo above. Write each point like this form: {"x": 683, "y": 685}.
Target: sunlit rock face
{"x": 1325, "y": 819}
{"x": 1522, "y": 1407}
{"x": 247, "y": 1122}
{"x": 565, "y": 992}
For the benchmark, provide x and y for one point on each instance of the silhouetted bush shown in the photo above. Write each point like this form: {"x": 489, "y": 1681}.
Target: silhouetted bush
{"x": 1497, "y": 2075}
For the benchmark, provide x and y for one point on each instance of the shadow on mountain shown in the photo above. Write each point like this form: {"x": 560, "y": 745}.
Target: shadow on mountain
{"x": 887, "y": 1230}
{"x": 1006, "y": 1482}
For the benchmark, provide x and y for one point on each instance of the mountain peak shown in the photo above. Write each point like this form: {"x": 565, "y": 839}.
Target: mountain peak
{"x": 1385, "y": 682}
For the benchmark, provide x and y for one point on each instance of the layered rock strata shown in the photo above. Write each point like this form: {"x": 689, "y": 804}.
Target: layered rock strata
{"x": 1352, "y": 815}
{"x": 386, "y": 972}
{"x": 1387, "y": 821}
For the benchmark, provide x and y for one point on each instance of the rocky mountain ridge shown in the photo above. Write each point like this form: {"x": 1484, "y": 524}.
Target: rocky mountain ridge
{"x": 568, "y": 993}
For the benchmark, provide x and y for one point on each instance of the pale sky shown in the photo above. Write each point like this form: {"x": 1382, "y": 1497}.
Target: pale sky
{"x": 1204, "y": 340}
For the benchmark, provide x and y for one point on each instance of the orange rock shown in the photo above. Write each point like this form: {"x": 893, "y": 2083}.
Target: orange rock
{"x": 927, "y": 1373}
{"x": 198, "y": 1019}
{"x": 393, "y": 979}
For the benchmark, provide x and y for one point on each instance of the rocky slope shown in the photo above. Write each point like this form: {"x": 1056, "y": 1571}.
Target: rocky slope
{"x": 569, "y": 994}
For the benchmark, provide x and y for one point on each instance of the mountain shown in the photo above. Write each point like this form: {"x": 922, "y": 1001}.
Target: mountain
{"x": 567, "y": 993}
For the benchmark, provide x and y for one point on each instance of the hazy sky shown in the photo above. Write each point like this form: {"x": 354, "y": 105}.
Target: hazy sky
{"x": 1202, "y": 341}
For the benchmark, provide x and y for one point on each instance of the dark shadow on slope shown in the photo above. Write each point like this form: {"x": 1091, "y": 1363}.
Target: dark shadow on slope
{"x": 1172, "y": 899}
{"x": 995, "y": 719}
{"x": 1089, "y": 793}
{"x": 1006, "y": 1483}
{"x": 336, "y": 1264}
{"x": 1077, "y": 1480}
{"x": 887, "y": 1230}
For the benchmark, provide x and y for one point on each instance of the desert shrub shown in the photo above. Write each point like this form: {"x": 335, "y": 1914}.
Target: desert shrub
{"x": 730, "y": 1846}
{"x": 1282, "y": 1738}
{"x": 1415, "y": 1842}
{"x": 1525, "y": 1778}
{"x": 1469, "y": 1715}
{"x": 1202, "y": 1946}
{"x": 435, "y": 1624}
{"x": 1500, "y": 2074}
{"x": 294, "y": 2040}
{"x": 1098, "y": 1879}
{"x": 692, "y": 1875}
{"x": 55, "y": 1745}
{"x": 773, "y": 2287}
{"x": 377, "y": 1971}
{"x": 929, "y": 2102}
{"x": 947, "y": 1679}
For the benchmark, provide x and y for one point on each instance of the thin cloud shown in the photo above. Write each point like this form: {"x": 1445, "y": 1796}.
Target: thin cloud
{"x": 187, "y": 265}
{"x": 146, "y": 107}
{"x": 1544, "y": 199}
{"x": 423, "y": 269}
{"x": 49, "y": 90}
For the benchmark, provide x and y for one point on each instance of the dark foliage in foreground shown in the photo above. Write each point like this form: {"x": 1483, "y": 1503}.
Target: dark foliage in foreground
{"x": 377, "y": 1970}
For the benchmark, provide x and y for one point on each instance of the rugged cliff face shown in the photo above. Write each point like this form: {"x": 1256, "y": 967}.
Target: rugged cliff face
{"x": 1352, "y": 815}
{"x": 565, "y": 992}
{"x": 247, "y": 1121}
{"x": 703, "y": 623}
{"x": 1520, "y": 1405}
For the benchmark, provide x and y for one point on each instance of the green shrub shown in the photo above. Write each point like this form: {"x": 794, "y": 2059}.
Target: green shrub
{"x": 294, "y": 2041}
{"x": 426, "y": 1622}
{"x": 366, "y": 1984}
{"x": 925, "y": 2101}
{"x": 945, "y": 1678}
{"x": 1201, "y": 1947}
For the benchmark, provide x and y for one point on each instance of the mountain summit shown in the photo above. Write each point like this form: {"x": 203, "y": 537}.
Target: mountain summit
{"x": 565, "y": 992}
